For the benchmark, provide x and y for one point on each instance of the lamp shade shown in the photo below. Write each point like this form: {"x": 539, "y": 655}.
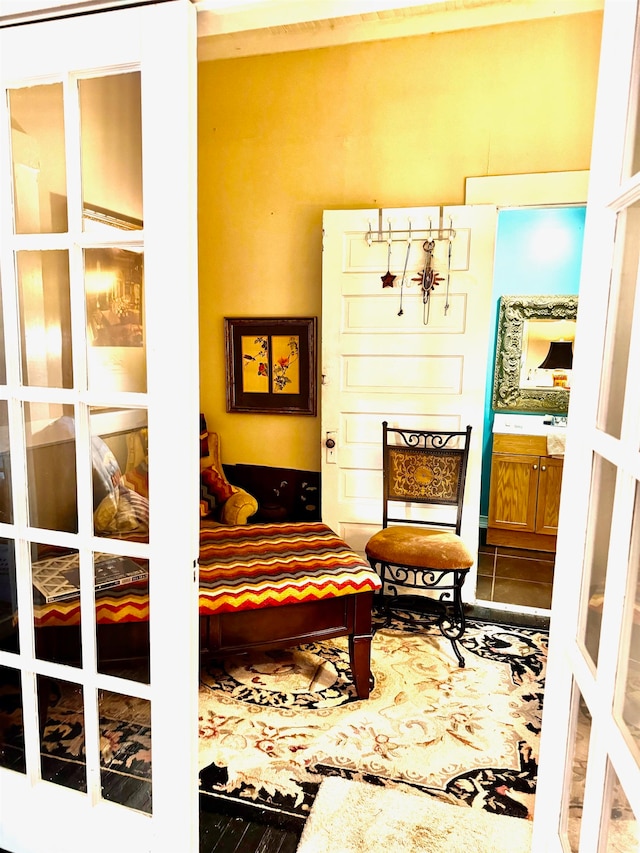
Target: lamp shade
{"x": 559, "y": 357}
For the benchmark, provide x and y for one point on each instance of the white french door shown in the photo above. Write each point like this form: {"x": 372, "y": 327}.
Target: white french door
{"x": 588, "y": 796}
{"x": 386, "y": 355}
{"x": 98, "y": 273}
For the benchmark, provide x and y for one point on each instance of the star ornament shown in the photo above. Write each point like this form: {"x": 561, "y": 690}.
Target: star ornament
{"x": 388, "y": 279}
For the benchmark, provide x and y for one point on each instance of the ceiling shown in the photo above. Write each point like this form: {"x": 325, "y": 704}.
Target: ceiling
{"x": 232, "y": 28}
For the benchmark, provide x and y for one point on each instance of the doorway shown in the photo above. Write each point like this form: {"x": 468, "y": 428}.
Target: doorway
{"x": 538, "y": 252}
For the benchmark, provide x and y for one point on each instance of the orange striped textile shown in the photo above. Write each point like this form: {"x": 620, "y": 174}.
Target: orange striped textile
{"x": 242, "y": 568}
{"x": 126, "y": 603}
{"x": 265, "y": 565}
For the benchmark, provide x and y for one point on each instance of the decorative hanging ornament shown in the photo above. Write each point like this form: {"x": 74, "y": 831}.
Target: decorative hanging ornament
{"x": 446, "y": 303}
{"x": 388, "y": 278}
{"x": 428, "y": 279}
{"x": 404, "y": 271}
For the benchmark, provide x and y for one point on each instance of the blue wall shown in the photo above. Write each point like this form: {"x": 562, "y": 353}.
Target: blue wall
{"x": 538, "y": 253}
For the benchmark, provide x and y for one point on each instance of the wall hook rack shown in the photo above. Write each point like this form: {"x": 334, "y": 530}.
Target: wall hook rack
{"x": 394, "y": 235}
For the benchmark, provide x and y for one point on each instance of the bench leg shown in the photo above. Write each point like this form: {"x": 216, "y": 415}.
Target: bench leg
{"x": 360, "y": 645}
{"x": 360, "y": 659}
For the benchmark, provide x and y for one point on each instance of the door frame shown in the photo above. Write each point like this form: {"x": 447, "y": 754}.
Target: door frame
{"x": 568, "y": 666}
{"x": 150, "y": 34}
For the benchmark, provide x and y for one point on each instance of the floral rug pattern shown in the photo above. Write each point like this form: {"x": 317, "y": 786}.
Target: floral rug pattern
{"x": 272, "y": 726}
{"x": 125, "y": 731}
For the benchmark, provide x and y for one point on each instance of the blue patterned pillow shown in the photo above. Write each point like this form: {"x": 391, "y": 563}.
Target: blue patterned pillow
{"x": 106, "y": 477}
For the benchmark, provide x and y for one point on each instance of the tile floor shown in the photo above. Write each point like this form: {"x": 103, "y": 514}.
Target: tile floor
{"x": 515, "y": 576}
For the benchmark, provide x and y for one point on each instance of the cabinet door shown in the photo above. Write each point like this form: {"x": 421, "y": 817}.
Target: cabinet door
{"x": 549, "y": 483}
{"x": 512, "y": 496}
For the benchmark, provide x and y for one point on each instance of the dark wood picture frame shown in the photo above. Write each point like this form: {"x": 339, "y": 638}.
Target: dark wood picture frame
{"x": 271, "y": 364}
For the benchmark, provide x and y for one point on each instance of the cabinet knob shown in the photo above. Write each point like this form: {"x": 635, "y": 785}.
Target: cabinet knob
{"x": 543, "y": 467}
{"x": 535, "y": 467}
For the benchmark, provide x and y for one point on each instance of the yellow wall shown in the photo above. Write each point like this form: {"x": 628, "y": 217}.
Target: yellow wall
{"x": 384, "y": 124}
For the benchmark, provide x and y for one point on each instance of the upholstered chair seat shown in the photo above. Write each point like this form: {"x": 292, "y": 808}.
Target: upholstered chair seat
{"x": 419, "y": 547}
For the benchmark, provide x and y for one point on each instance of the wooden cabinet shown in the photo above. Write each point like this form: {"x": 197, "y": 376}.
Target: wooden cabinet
{"x": 524, "y": 493}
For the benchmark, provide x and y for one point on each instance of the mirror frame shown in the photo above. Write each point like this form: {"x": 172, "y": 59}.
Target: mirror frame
{"x": 514, "y": 311}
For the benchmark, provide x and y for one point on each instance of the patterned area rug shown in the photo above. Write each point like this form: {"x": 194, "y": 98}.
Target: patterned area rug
{"x": 274, "y": 725}
{"x": 125, "y": 740}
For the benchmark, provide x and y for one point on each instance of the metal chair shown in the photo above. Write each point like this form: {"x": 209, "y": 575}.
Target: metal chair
{"x": 419, "y": 547}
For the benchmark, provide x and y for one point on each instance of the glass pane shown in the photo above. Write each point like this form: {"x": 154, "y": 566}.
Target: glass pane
{"x": 51, "y": 458}
{"x": 619, "y": 319}
{"x": 120, "y": 474}
{"x": 577, "y": 754}
{"x": 115, "y": 320}
{"x": 111, "y": 151}
{"x": 55, "y": 576}
{"x": 603, "y": 481}
{"x": 62, "y": 738}
{"x": 631, "y": 163}
{"x": 6, "y": 505}
{"x": 38, "y": 159}
{"x": 9, "y": 641}
{"x": 122, "y": 616}
{"x": 620, "y": 830}
{"x": 11, "y": 720}
{"x": 45, "y": 318}
{"x": 628, "y": 677}
{"x": 125, "y": 749}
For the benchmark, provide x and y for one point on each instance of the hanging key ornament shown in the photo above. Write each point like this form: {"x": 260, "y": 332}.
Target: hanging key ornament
{"x": 428, "y": 279}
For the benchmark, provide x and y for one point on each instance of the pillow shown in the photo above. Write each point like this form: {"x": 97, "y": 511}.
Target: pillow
{"x": 106, "y": 478}
{"x": 136, "y": 472}
{"x": 214, "y": 490}
{"x": 131, "y": 516}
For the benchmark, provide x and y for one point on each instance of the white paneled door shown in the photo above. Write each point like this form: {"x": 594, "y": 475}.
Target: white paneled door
{"x": 588, "y": 796}
{"x": 389, "y": 354}
{"x": 98, "y": 432}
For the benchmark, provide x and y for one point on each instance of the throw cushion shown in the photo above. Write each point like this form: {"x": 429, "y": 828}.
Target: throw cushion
{"x": 136, "y": 472}
{"x": 131, "y": 516}
{"x": 106, "y": 477}
{"x": 214, "y": 489}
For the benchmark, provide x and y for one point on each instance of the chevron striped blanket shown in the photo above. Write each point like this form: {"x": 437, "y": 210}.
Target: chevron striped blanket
{"x": 243, "y": 568}
{"x": 264, "y": 565}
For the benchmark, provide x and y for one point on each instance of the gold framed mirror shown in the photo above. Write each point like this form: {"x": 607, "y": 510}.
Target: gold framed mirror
{"x": 534, "y": 353}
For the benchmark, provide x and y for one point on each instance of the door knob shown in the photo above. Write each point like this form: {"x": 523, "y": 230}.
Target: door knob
{"x": 330, "y": 442}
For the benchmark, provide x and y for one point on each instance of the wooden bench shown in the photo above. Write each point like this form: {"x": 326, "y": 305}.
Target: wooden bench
{"x": 261, "y": 586}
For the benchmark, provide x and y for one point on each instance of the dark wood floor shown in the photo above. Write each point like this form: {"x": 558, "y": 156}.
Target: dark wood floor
{"x": 248, "y": 833}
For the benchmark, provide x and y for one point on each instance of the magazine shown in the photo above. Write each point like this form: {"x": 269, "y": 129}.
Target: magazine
{"x": 58, "y": 578}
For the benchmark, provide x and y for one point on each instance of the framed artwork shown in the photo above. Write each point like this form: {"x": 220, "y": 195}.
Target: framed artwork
{"x": 271, "y": 365}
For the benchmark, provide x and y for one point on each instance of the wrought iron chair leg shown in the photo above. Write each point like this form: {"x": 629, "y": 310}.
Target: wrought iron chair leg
{"x": 456, "y": 618}
{"x": 456, "y": 650}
